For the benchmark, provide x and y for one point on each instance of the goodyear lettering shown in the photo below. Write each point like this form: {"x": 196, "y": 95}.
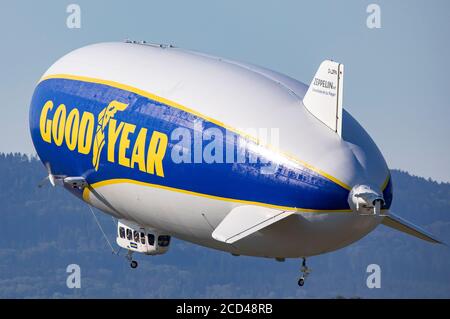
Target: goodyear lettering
{"x": 71, "y": 131}
{"x": 113, "y": 134}
{"x": 157, "y": 149}
{"x": 75, "y": 130}
{"x": 125, "y": 144}
{"x": 85, "y": 133}
{"x": 45, "y": 125}
{"x": 58, "y": 124}
{"x": 138, "y": 155}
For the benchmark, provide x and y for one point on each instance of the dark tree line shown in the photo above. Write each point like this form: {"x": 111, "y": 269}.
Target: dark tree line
{"x": 42, "y": 230}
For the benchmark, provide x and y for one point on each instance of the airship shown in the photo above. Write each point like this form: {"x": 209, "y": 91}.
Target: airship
{"x": 220, "y": 153}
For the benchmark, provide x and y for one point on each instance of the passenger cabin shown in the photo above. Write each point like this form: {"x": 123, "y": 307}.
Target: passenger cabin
{"x": 135, "y": 238}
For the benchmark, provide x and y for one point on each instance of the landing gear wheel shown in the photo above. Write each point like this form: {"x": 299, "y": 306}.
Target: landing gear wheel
{"x": 134, "y": 264}
{"x": 305, "y": 272}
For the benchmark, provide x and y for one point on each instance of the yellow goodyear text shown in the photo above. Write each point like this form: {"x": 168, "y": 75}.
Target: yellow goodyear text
{"x": 135, "y": 147}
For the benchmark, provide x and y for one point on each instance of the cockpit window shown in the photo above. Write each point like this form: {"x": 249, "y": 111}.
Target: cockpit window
{"x": 151, "y": 239}
{"x": 122, "y": 232}
{"x": 142, "y": 238}
{"x": 136, "y": 236}
{"x": 129, "y": 234}
{"x": 163, "y": 240}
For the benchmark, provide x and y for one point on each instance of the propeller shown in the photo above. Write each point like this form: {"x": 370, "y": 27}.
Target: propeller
{"x": 364, "y": 200}
{"x": 50, "y": 177}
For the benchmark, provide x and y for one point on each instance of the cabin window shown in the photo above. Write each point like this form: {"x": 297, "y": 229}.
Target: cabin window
{"x": 142, "y": 238}
{"x": 163, "y": 240}
{"x": 129, "y": 234}
{"x": 122, "y": 232}
{"x": 151, "y": 239}
{"x": 136, "y": 236}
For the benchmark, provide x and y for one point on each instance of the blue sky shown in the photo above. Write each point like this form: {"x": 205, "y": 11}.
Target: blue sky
{"x": 396, "y": 81}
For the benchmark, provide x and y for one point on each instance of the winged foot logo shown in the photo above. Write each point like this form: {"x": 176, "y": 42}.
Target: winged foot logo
{"x": 103, "y": 119}
{"x": 76, "y": 131}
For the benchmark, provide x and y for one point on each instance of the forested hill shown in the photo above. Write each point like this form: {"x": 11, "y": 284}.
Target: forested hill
{"x": 42, "y": 230}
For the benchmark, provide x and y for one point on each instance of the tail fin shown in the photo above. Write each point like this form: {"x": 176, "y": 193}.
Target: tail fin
{"x": 243, "y": 221}
{"x": 324, "y": 96}
{"x": 402, "y": 225}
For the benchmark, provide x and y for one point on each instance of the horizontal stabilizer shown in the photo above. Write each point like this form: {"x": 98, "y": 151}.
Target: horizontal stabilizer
{"x": 245, "y": 220}
{"x": 324, "y": 96}
{"x": 402, "y": 225}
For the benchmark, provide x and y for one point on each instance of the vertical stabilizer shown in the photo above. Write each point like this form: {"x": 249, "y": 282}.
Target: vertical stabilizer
{"x": 324, "y": 96}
